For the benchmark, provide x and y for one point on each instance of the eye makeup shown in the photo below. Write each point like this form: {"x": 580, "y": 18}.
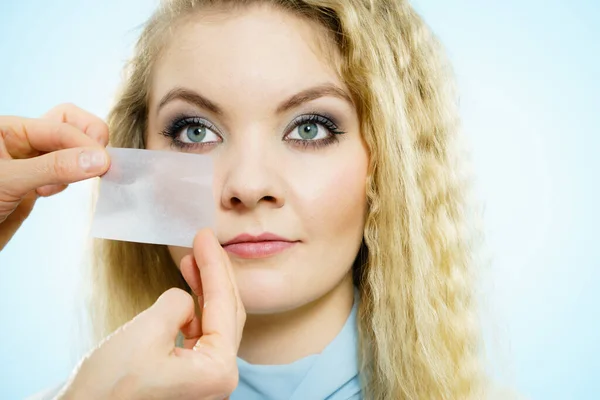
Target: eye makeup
{"x": 178, "y": 126}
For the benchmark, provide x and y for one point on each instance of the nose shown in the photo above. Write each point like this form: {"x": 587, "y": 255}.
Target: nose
{"x": 252, "y": 180}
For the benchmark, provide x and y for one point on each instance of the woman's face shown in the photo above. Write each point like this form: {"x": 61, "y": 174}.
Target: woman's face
{"x": 254, "y": 89}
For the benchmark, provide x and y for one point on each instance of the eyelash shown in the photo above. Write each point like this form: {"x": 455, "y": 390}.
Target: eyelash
{"x": 319, "y": 119}
{"x": 174, "y": 128}
{"x": 177, "y": 124}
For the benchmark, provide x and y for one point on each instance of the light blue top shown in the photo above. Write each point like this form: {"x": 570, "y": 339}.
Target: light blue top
{"x": 330, "y": 375}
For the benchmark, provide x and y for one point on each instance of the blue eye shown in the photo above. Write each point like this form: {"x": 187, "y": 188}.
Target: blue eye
{"x": 195, "y": 133}
{"x": 309, "y": 131}
{"x": 192, "y": 133}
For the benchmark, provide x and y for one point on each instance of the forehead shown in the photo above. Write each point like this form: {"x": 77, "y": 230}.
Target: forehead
{"x": 260, "y": 51}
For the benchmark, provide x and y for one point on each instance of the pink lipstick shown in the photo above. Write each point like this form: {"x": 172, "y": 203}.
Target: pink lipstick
{"x": 261, "y": 246}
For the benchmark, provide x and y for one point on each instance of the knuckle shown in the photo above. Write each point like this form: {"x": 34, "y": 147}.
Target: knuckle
{"x": 7, "y": 128}
{"x": 61, "y": 167}
{"x": 186, "y": 301}
{"x": 63, "y": 108}
{"x": 179, "y": 296}
{"x": 174, "y": 299}
{"x": 68, "y": 106}
{"x": 59, "y": 132}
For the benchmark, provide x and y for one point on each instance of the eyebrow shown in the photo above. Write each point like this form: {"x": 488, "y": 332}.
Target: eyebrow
{"x": 313, "y": 93}
{"x": 189, "y": 96}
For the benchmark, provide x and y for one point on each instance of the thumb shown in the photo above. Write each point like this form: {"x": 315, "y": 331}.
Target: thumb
{"x": 56, "y": 168}
{"x": 175, "y": 311}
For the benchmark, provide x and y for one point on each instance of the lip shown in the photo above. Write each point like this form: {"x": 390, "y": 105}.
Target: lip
{"x": 261, "y": 246}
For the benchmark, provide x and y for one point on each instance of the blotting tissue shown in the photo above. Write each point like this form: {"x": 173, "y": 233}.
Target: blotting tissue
{"x": 159, "y": 197}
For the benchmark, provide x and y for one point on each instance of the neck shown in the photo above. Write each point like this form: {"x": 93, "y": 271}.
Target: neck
{"x": 290, "y": 336}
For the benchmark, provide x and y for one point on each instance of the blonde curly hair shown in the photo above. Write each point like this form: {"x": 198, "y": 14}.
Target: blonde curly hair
{"x": 419, "y": 337}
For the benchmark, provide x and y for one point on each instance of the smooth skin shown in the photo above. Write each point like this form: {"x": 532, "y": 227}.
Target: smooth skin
{"x": 40, "y": 157}
{"x": 252, "y": 73}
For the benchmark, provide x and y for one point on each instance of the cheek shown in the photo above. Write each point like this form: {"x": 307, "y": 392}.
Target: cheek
{"x": 332, "y": 199}
{"x": 155, "y": 141}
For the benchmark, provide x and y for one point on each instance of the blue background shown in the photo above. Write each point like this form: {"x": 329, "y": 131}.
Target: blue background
{"x": 528, "y": 75}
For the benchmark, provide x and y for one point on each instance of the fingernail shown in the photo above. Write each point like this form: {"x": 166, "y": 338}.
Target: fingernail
{"x": 91, "y": 161}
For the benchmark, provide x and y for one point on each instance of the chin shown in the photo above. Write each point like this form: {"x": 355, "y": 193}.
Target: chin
{"x": 265, "y": 291}
{"x": 273, "y": 291}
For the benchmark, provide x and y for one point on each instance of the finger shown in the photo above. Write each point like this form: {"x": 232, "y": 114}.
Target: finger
{"x": 191, "y": 332}
{"x": 240, "y": 311}
{"x": 50, "y": 190}
{"x": 219, "y": 312}
{"x": 231, "y": 274}
{"x": 90, "y": 124}
{"x": 174, "y": 310}
{"x": 15, "y": 219}
{"x": 62, "y": 167}
{"x": 191, "y": 274}
{"x": 4, "y": 154}
{"x": 27, "y": 137}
